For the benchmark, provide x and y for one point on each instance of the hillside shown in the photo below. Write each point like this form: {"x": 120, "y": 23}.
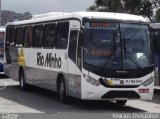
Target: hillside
{"x": 9, "y": 16}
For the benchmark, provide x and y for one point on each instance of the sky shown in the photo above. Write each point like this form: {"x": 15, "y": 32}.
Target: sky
{"x": 45, "y": 6}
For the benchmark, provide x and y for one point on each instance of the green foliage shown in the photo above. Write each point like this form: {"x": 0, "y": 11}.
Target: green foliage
{"x": 106, "y": 5}
{"x": 132, "y": 6}
{"x": 145, "y": 8}
{"x": 157, "y": 17}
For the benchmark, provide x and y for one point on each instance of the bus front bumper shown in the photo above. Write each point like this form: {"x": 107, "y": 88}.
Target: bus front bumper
{"x": 103, "y": 93}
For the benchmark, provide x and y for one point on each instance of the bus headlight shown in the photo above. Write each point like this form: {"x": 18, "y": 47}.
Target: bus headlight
{"x": 148, "y": 82}
{"x": 91, "y": 81}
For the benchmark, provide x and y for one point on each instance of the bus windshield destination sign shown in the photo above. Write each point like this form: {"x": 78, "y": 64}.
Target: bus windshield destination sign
{"x": 102, "y": 25}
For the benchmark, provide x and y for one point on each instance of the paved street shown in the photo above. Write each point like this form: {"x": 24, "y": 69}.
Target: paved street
{"x": 13, "y": 100}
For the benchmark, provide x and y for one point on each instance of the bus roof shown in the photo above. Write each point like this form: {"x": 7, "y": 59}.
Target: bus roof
{"x": 155, "y": 25}
{"x": 80, "y": 15}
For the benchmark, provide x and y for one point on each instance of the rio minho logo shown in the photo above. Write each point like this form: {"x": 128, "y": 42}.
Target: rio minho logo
{"x": 49, "y": 60}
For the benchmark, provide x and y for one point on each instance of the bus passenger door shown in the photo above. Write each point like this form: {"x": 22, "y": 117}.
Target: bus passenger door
{"x": 72, "y": 62}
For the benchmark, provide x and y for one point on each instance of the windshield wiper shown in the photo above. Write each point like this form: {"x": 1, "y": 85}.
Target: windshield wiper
{"x": 126, "y": 49}
{"x": 124, "y": 46}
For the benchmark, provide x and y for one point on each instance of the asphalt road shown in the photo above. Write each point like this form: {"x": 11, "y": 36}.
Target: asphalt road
{"x": 13, "y": 100}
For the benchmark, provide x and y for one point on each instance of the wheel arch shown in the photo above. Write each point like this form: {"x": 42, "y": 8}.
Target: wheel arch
{"x": 59, "y": 76}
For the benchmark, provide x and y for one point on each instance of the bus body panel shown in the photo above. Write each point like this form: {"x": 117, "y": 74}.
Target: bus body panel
{"x": 90, "y": 91}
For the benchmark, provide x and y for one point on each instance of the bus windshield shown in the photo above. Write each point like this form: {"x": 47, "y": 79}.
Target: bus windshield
{"x": 117, "y": 45}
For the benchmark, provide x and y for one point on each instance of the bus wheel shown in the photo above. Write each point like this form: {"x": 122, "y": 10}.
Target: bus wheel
{"x": 22, "y": 81}
{"x": 121, "y": 102}
{"x": 62, "y": 90}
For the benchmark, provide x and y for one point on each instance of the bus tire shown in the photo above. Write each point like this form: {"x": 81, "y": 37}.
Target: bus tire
{"x": 121, "y": 102}
{"x": 62, "y": 90}
{"x": 22, "y": 81}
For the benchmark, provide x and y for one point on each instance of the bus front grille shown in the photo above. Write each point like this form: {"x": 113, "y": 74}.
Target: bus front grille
{"x": 121, "y": 94}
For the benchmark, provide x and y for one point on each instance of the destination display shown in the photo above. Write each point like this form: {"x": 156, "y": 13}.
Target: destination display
{"x": 97, "y": 24}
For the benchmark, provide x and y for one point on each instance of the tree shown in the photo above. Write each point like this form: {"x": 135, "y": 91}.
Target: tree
{"x": 132, "y": 6}
{"x": 157, "y": 17}
{"x": 147, "y": 10}
{"x": 138, "y": 7}
{"x": 10, "y": 16}
{"x": 106, "y": 5}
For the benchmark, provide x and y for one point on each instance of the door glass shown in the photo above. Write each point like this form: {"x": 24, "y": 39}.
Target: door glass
{"x": 72, "y": 45}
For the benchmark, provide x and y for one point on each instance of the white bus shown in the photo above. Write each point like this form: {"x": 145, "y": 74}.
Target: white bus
{"x": 2, "y": 34}
{"x": 87, "y": 55}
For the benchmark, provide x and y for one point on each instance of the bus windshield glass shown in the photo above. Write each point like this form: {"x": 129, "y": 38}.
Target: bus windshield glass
{"x": 111, "y": 45}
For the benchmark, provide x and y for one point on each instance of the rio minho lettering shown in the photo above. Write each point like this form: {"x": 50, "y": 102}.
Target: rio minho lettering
{"x": 49, "y": 61}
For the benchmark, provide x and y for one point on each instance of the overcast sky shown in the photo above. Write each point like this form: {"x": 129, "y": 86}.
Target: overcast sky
{"x": 44, "y": 6}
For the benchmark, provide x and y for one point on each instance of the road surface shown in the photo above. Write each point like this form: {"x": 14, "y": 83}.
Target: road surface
{"x": 14, "y": 100}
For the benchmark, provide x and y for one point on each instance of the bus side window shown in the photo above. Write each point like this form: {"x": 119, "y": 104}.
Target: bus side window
{"x": 38, "y": 36}
{"x": 28, "y": 36}
{"x": 73, "y": 45}
{"x": 13, "y": 36}
{"x": 49, "y": 35}
{"x": 19, "y": 36}
{"x": 62, "y": 35}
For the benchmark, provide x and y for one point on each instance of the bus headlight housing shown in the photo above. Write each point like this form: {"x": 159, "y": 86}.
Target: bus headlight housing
{"x": 148, "y": 82}
{"x": 91, "y": 80}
